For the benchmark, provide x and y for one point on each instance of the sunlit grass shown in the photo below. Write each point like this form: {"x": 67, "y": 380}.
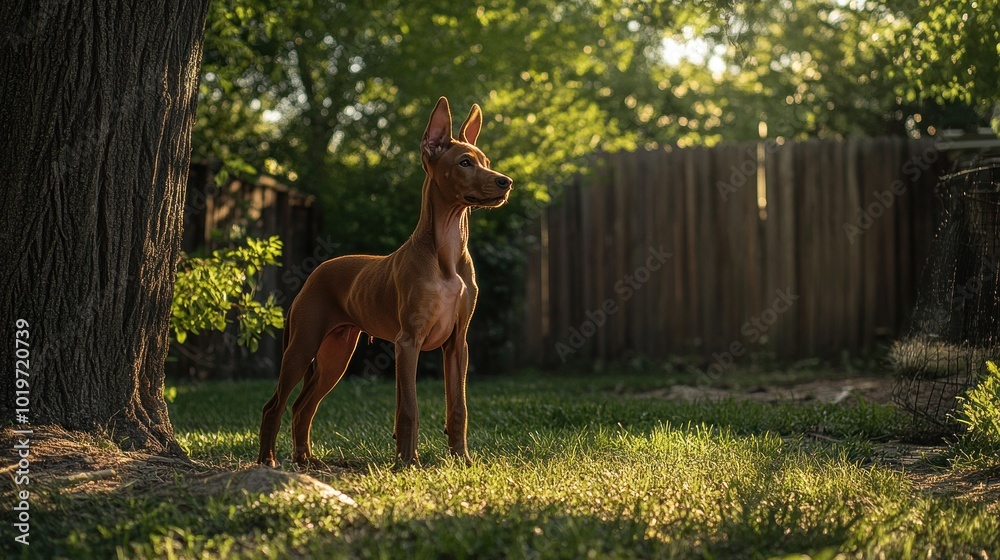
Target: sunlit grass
{"x": 565, "y": 468}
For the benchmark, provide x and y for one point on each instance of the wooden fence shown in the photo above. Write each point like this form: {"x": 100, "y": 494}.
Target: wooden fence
{"x": 802, "y": 248}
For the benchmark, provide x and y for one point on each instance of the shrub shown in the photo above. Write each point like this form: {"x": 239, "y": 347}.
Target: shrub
{"x": 979, "y": 411}
{"x": 208, "y": 289}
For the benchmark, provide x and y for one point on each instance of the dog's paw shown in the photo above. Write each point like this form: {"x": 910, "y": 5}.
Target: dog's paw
{"x": 404, "y": 462}
{"x": 267, "y": 461}
{"x": 463, "y": 457}
{"x": 309, "y": 463}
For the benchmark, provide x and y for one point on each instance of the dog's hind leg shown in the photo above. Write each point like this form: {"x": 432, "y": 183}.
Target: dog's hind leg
{"x": 299, "y": 350}
{"x": 331, "y": 362}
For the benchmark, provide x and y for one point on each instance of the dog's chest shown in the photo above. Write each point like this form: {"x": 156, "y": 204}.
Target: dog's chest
{"x": 451, "y": 295}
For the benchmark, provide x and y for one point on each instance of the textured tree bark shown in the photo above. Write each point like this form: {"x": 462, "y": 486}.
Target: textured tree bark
{"x": 97, "y": 104}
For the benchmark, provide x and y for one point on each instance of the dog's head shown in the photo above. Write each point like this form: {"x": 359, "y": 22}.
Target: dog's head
{"x": 457, "y": 166}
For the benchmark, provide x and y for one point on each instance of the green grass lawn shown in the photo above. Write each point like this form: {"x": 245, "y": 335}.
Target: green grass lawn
{"x": 565, "y": 467}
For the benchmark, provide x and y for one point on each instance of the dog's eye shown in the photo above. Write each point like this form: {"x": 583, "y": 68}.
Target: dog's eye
{"x": 466, "y": 162}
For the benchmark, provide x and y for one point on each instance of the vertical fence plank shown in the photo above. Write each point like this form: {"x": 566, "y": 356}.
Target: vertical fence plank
{"x": 599, "y": 268}
{"x": 706, "y": 273}
{"x": 677, "y": 307}
{"x": 804, "y": 173}
{"x": 781, "y": 244}
{"x": 589, "y": 219}
{"x": 854, "y": 265}
{"x": 624, "y": 185}
{"x": 664, "y": 189}
{"x": 532, "y": 346}
{"x": 745, "y": 237}
{"x": 559, "y": 274}
{"x": 635, "y": 226}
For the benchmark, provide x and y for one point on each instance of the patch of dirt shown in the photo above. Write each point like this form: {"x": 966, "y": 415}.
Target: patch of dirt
{"x": 871, "y": 389}
{"x": 264, "y": 480}
{"x": 975, "y": 486}
{"x": 63, "y": 459}
{"x": 79, "y": 462}
{"x": 925, "y": 467}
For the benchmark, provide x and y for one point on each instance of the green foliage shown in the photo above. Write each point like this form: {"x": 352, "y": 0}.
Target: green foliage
{"x": 210, "y": 289}
{"x": 818, "y": 68}
{"x": 806, "y": 68}
{"x": 230, "y": 125}
{"x": 347, "y": 90}
{"x": 352, "y": 88}
{"x": 979, "y": 412}
{"x": 566, "y": 467}
{"x": 948, "y": 51}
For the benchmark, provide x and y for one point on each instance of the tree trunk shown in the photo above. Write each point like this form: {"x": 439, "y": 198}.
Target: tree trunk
{"x": 98, "y": 102}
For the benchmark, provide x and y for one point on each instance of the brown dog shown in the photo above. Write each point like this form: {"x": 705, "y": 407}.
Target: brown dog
{"x": 421, "y": 297}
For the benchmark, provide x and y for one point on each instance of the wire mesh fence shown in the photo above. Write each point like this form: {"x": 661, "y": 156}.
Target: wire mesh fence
{"x": 956, "y": 321}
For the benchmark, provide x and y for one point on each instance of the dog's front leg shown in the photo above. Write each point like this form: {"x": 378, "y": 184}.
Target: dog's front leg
{"x": 456, "y": 364}
{"x": 407, "y": 417}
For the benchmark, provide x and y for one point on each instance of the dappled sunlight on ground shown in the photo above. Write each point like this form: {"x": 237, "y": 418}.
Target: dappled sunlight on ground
{"x": 871, "y": 389}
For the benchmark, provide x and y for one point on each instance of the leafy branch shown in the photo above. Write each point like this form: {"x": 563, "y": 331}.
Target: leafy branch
{"x": 208, "y": 289}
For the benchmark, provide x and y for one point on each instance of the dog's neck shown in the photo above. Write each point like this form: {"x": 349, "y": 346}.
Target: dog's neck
{"x": 443, "y": 227}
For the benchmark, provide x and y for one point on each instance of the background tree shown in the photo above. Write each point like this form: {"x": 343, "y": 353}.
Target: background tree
{"x": 99, "y": 100}
{"x": 808, "y": 68}
{"x": 818, "y": 68}
{"x": 946, "y": 54}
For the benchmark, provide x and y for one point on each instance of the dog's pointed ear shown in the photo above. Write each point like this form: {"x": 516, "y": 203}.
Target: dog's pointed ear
{"x": 472, "y": 125}
{"x": 437, "y": 135}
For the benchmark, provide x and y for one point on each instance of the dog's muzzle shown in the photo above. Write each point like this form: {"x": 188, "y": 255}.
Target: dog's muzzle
{"x": 495, "y": 201}
{"x": 504, "y": 184}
